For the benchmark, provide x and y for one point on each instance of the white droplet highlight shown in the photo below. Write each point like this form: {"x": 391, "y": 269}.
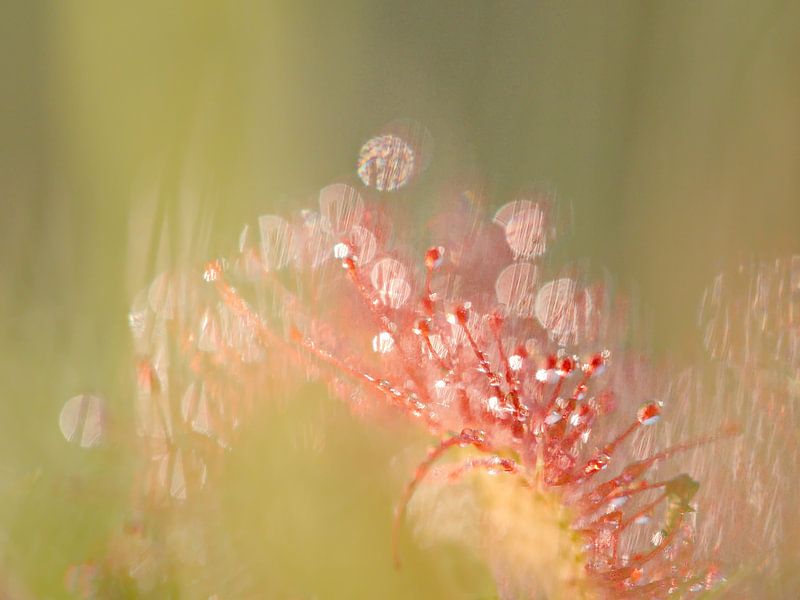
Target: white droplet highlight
{"x": 515, "y": 362}
{"x": 383, "y": 342}
{"x": 341, "y": 250}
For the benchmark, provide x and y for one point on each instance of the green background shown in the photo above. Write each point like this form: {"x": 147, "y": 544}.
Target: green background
{"x": 672, "y": 129}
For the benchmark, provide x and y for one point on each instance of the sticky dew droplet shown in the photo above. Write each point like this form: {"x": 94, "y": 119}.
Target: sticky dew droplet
{"x": 383, "y": 342}
{"x": 649, "y": 414}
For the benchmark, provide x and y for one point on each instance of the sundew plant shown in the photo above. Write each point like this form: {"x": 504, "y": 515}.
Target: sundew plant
{"x": 563, "y": 460}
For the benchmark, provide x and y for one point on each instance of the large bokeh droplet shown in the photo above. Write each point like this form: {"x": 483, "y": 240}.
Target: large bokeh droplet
{"x": 341, "y": 206}
{"x": 525, "y": 225}
{"x": 515, "y": 287}
{"x": 386, "y": 162}
{"x": 82, "y": 420}
{"x": 389, "y": 278}
{"x": 563, "y": 310}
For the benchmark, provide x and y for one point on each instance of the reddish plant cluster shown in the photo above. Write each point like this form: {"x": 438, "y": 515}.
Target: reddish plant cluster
{"x": 483, "y": 354}
{"x": 471, "y": 340}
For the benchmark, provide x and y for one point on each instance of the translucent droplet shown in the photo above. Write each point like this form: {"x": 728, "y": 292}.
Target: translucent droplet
{"x": 341, "y": 250}
{"x": 554, "y": 303}
{"x": 524, "y": 223}
{"x": 445, "y": 394}
{"x": 82, "y": 420}
{"x": 618, "y": 502}
{"x": 395, "y": 293}
{"x": 434, "y": 257}
{"x": 552, "y": 418}
{"x": 422, "y": 326}
{"x": 525, "y": 233}
{"x": 515, "y": 287}
{"x": 500, "y": 409}
{"x": 386, "y": 162}
{"x": 341, "y": 206}
{"x": 563, "y": 311}
{"x": 515, "y": 362}
{"x": 276, "y": 241}
{"x": 595, "y": 365}
{"x": 649, "y": 414}
{"x": 363, "y": 243}
{"x": 388, "y": 277}
{"x": 460, "y": 314}
{"x": 383, "y": 342}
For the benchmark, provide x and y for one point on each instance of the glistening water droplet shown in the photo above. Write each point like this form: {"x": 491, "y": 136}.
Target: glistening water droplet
{"x": 383, "y": 342}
